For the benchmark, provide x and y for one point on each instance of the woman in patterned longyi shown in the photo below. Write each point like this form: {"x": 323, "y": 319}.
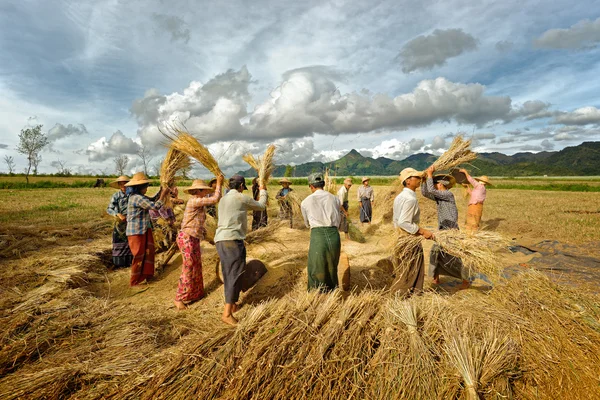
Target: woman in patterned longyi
{"x": 191, "y": 284}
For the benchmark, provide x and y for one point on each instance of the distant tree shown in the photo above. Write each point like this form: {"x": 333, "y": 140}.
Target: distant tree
{"x": 121, "y": 164}
{"x": 185, "y": 172}
{"x": 31, "y": 142}
{"x": 10, "y": 163}
{"x": 144, "y": 155}
{"x": 289, "y": 170}
{"x": 156, "y": 168}
{"x": 61, "y": 166}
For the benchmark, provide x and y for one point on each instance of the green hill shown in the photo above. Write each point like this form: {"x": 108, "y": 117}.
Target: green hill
{"x": 580, "y": 160}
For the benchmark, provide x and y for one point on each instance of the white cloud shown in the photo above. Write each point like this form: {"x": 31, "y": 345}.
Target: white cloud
{"x": 563, "y": 136}
{"x": 583, "y": 33}
{"x": 102, "y": 149}
{"x": 60, "y": 131}
{"x": 483, "y": 136}
{"x": 427, "y": 52}
{"x": 506, "y": 139}
{"x": 438, "y": 142}
{"x": 547, "y": 145}
{"x": 581, "y": 116}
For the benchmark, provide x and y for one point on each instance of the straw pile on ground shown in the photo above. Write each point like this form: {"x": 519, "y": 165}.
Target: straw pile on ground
{"x": 174, "y": 161}
{"x": 526, "y": 338}
{"x": 355, "y": 233}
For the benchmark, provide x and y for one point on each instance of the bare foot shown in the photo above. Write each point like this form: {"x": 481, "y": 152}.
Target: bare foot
{"x": 230, "y": 320}
{"x": 180, "y": 305}
{"x": 464, "y": 285}
{"x": 436, "y": 280}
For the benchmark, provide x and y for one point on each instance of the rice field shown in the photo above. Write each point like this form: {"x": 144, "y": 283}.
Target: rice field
{"x": 72, "y": 328}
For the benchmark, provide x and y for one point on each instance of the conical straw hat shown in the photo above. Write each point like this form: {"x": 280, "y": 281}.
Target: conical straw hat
{"x": 115, "y": 184}
{"x": 139, "y": 178}
{"x": 198, "y": 184}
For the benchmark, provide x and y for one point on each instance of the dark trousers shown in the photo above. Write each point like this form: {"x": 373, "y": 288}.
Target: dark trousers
{"x": 233, "y": 264}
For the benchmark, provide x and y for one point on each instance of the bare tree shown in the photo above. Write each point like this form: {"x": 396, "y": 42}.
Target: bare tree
{"x": 156, "y": 168}
{"x": 31, "y": 142}
{"x": 121, "y": 164}
{"x": 61, "y": 167}
{"x": 10, "y": 163}
{"x": 144, "y": 154}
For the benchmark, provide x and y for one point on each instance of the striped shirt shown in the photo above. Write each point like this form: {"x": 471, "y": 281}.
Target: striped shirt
{"x": 138, "y": 217}
{"x": 446, "y": 205}
{"x": 195, "y": 214}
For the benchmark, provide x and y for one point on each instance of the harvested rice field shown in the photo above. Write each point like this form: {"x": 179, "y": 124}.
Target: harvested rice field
{"x": 71, "y": 327}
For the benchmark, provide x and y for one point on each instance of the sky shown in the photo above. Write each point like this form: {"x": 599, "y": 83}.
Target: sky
{"x": 316, "y": 78}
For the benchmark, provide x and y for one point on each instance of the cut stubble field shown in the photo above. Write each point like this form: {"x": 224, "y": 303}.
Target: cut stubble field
{"x": 73, "y": 328}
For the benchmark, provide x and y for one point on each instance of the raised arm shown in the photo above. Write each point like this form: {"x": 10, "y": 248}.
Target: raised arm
{"x": 259, "y": 205}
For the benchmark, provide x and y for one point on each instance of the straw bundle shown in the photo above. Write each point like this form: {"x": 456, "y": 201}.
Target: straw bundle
{"x": 265, "y": 234}
{"x": 266, "y": 166}
{"x": 330, "y": 185}
{"x": 185, "y": 143}
{"x": 173, "y": 162}
{"x": 210, "y": 228}
{"x": 253, "y": 162}
{"x": 355, "y": 233}
{"x": 296, "y": 205}
{"x": 458, "y": 153}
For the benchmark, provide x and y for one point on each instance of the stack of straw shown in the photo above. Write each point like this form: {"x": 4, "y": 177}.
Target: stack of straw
{"x": 266, "y": 166}
{"x": 330, "y": 185}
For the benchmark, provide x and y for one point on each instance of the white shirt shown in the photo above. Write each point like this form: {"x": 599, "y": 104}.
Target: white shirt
{"x": 342, "y": 194}
{"x": 406, "y": 211}
{"x": 233, "y": 214}
{"x": 321, "y": 209}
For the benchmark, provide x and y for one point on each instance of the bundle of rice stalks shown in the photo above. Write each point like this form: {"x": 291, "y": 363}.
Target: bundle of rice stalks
{"x": 174, "y": 161}
{"x": 355, "y": 233}
{"x": 185, "y": 143}
{"x": 458, "y": 153}
{"x": 330, "y": 185}
{"x": 253, "y": 162}
{"x": 266, "y": 166}
{"x": 295, "y": 202}
{"x": 210, "y": 228}
{"x": 265, "y": 234}
{"x": 406, "y": 252}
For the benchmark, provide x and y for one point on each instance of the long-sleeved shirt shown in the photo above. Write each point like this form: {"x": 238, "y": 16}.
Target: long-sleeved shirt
{"x": 342, "y": 194}
{"x": 233, "y": 214}
{"x": 195, "y": 214}
{"x": 118, "y": 204}
{"x": 406, "y": 211}
{"x": 365, "y": 191}
{"x": 478, "y": 192}
{"x": 446, "y": 205}
{"x": 138, "y": 217}
{"x": 321, "y": 209}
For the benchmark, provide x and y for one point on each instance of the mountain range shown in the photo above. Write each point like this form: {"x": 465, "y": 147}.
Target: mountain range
{"x": 580, "y": 160}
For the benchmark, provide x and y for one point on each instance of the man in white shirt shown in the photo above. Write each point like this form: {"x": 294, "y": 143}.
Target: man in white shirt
{"x": 321, "y": 213}
{"x": 342, "y": 195}
{"x": 407, "y": 217}
{"x": 229, "y": 239}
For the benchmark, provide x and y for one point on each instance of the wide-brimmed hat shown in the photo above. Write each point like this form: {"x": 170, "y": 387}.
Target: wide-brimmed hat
{"x": 348, "y": 180}
{"x": 197, "y": 184}
{"x": 408, "y": 172}
{"x": 485, "y": 179}
{"x": 365, "y": 179}
{"x": 447, "y": 180}
{"x": 139, "y": 178}
{"x": 285, "y": 180}
{"x": 115, "y": 184}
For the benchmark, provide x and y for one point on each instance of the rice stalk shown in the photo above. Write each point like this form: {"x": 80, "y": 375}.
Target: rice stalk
{"x": 266, "y": 166}
{"x": 174, "y": 161}
{"x": 355, "y": 233}
{"x": 185, "y": 143}
{"x": 252, "y": 161}
{"x": 265, "y": 234}
{"x": 458, "y": 153}
{"x": 296, "y": 209}
{"x": 330, "y": 185}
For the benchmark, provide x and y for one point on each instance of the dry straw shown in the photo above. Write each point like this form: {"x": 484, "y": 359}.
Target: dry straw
{"x": 330, "y": 185}
{"x": 174, "y": 161}
{"x": 458, "y": 153}
{"x": 252, "y": 161}
{"x": 266, "y": 166}
{"x": 185, "y": 143}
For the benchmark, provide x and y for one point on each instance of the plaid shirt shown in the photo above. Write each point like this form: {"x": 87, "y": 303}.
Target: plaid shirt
{"x": 195, "y": 214}
{"x": 138, "y": 217}
{"x": 118, "y": 204}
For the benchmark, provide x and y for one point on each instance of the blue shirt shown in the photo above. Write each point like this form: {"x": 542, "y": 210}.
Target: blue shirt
{"x": 138, "y": 215}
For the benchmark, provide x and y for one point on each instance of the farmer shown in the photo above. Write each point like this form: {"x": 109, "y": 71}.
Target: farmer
{"x": 285, "y": 208}
{"x": 139, "y": 227}
{"x": 342, "y": 195}
{"x": 259, "y": 217}
{"x": 406, "y": 217}
{"x": 366, "y": 200}
{"x": 191, "y": 284}
{"x": 478, "y": 193}
{"x": 229, "y": 238}
{"x": 321, "y": 212}
{"x": 437, "y": 188}
{"x": 163, "y": 221}
{"x": 212, "y": 209}
{"x": 121, "y": 254}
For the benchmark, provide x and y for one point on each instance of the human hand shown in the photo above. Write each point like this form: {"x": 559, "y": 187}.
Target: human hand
{"x": 122, "y": 217}
{"x": 220, "y": 180}
{"x": 464, "y": 171}
{"x": 426, "y": 234}
{"x": 430, "y": 171}
{"x": 262, "y": 187}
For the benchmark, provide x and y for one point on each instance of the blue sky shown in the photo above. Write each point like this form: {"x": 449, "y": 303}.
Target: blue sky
{"x": 317, "y": 78}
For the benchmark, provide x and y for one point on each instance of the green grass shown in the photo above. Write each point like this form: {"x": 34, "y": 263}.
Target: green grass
{"x": 553, "y": 187}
